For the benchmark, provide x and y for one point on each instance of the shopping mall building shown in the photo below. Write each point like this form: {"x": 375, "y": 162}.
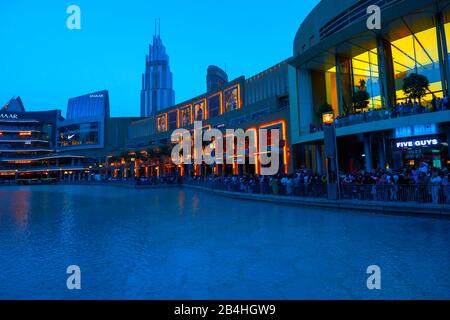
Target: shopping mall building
{"x": 28, "y": 150}
{"x": 45, "y": 146}
{"x": 258, "y": 102}
{"x": 336, "y": 56}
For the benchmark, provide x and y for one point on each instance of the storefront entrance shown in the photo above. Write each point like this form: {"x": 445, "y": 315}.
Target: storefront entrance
{"x": 410, "y": 152}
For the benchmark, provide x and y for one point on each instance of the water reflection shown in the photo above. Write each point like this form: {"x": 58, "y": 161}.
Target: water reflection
{"x": 181, "y": 202}
{"x": 156, "y": 244}
{"x": 20, "y": 207}
{"x": 195, "y": 205}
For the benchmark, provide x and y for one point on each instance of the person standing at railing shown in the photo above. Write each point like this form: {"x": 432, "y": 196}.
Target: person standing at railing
{"x": 445, "y": 103}
{"x": 394, "y": 188}
{"x": 435, "y": 187}
{"x": 446, "y": 187}
{"x": 274, "y": 185}
{"x": 434, "y": 104}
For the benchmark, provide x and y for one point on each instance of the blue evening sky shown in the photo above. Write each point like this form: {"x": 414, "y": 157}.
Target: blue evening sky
{"x": 45, "y": 63}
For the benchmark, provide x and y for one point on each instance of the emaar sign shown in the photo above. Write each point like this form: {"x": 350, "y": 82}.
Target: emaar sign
{"x": 8, "y": 115}
{"x": 416, "y": 143}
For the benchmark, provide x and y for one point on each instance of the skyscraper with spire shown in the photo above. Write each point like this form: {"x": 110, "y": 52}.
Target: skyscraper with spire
{"x": 157, "y": 82}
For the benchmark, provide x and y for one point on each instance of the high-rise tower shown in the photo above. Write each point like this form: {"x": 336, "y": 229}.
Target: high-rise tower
{"x": 157, "y": 92}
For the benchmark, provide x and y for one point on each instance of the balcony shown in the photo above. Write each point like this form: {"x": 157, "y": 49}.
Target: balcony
{"x": 381, "y": 114}
{"x": 376, "y": 120}
{"x": 384, "y": 114}
{"x": 17, "y": 138}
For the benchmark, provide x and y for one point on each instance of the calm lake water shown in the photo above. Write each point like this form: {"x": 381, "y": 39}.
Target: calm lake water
{"x": 188, "y": 244}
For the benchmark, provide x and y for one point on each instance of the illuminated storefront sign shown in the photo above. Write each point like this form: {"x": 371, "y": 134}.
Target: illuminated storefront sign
{"x": 186, "y": 116}
{"x": 162, "y": 122}
{"x": 232, "y": 98}
{"x": 79, "y": 134}
{"x": 416, "y": 143}
{"x": 416, "y": 130}
{"x": 201, "y": 113}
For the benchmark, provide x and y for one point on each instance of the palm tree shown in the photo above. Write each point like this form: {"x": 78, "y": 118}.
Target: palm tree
{"x": 124, "y": 155}
{"x": 113, "y": 159}
{"x": 142, "y": 157}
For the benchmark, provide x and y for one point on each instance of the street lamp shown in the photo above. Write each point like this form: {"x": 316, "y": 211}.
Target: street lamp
{"x": 331, "y": 150}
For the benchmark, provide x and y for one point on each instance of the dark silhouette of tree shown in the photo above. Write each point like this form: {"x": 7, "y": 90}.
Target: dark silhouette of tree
{"x": 360, "y": 99}
{"x": 415, "y": 86}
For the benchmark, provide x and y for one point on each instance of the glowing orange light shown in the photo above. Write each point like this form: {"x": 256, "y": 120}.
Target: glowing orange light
{"x": 20, "y": 161}
{"x": 328, "y": 118}
{"x": 161, "y": 115}
{"x": 25, "y": 133}
{"x": 239, "y": 104}
{"x": 187, "y": 107}
{"x": 283, "y": 126}
{"x": 206, "y": 107}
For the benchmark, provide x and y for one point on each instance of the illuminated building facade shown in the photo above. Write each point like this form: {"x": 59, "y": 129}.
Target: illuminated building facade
{"x": 84, "y": 125}
{"x": 40, "y": 146}
{"x": 28, "y": 147}
{"x": 157, "y": 81}
{"x": 88, "y": 128}
{"x": 337, "y": 60}
{"x": 259, "y": 102}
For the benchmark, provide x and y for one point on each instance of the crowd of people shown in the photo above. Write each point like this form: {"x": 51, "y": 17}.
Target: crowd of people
{"x": 423, "y": 184}
{"x": 313, "y": 185}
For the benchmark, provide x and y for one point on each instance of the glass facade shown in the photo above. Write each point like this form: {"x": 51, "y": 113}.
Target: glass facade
{"x": 89, "y": 105}
{"x": 331, "y": 90}
{"x": 366, "y": 77}
{"x": 417, "y": 53}
{"x": 81, "y": 134}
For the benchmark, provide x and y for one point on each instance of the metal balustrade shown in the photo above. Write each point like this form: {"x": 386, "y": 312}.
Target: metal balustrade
{"x": 424, "y": 194}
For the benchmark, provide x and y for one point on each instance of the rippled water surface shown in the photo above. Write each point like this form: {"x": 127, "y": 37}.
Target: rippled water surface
{"x": 188, "y": 244}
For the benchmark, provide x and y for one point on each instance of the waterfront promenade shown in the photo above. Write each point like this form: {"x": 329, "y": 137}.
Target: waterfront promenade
{"x": 408, "y": 201}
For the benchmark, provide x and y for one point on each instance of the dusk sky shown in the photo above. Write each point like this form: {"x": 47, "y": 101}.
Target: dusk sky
{"x": 45, "y": 63}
